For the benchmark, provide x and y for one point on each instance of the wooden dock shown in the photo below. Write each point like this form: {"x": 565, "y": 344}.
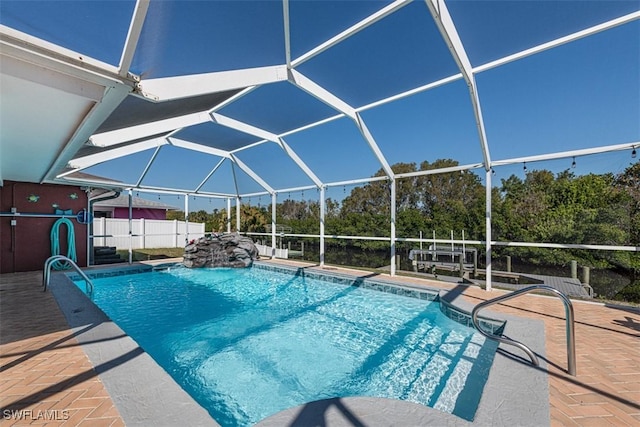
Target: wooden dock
{"x": 566, "y": 285}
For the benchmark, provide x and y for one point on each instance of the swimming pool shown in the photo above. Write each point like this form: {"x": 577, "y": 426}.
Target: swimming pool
{"x": 248, "y": 343}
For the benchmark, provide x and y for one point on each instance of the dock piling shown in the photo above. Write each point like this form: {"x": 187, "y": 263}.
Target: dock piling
{"x": 586, "y": 275}
{"x": 475, "y": 264}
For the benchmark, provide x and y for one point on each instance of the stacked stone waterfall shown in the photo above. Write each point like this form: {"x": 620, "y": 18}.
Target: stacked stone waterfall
{"x": 220, "y": 250}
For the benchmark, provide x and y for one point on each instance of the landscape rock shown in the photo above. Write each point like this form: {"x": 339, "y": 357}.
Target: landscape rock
{"x": 220, "y": 250}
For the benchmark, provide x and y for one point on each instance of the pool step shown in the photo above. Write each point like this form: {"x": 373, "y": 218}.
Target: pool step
{"x": 106, "y": 255}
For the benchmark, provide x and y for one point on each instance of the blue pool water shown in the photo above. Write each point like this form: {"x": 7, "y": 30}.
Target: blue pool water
{"x": 249, "y": 343}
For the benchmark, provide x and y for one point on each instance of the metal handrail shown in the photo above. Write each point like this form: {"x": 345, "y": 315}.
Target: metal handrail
{"x": 47, "y": 272}
{"x": 570, "y": 329}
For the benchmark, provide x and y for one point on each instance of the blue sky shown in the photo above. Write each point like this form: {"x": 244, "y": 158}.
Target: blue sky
{"x": 579, "y": 95}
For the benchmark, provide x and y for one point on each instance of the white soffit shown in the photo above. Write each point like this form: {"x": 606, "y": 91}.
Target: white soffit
{"x": 94, "y": 159}
{"x": 114, "y": 137}
{"x": 51, "y": 100}
{"x": 39, "y": 117}
{"x": 168, "y": 88}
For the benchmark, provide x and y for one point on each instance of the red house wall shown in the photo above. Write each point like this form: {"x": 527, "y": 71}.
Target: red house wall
{"x": 27, "y": 245}
{"x": 138, "y": 213}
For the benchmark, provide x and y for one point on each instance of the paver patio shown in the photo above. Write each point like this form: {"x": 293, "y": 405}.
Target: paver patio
{"x": 46, "y": 378}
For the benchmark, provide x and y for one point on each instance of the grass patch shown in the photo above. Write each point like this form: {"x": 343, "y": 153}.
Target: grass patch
{"x": 153, "y": 253}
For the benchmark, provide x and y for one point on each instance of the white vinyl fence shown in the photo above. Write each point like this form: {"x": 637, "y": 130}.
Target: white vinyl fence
{"x": 266, "y": 251}
{"x": 147, "y": 233}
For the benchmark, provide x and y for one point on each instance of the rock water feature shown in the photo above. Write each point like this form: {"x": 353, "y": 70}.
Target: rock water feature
{"x": 220, "y": 250}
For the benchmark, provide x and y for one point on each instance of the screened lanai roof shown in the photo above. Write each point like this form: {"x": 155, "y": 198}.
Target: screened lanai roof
{"x": 222, "y": 98}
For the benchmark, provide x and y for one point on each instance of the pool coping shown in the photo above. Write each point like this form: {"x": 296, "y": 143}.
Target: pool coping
{"x": 514, "y": 393}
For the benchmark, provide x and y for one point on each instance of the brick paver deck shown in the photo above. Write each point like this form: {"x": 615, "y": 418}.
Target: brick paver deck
{"x": 45, "y": 376}
{"x": 606, "y": 389}
{"x": 45, "y": 373}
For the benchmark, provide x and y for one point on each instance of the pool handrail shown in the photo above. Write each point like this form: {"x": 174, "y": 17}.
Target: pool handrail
{"x": 47, "y": 272}
{"x": 570, "y": 328}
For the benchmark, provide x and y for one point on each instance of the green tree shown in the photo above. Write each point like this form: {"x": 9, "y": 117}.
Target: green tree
{"x": 628, "y": 182}
{"x": 332, "y": 208}
{"x": 564, "y": 208}
{"x": 253, "y": 219}
{"x": 199, "y": 216}
{"x": 375, "y": 197}
{"x": 218, "y": 221}
{"x": 177, "y": 215}
{"x": 452, "y": 200}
